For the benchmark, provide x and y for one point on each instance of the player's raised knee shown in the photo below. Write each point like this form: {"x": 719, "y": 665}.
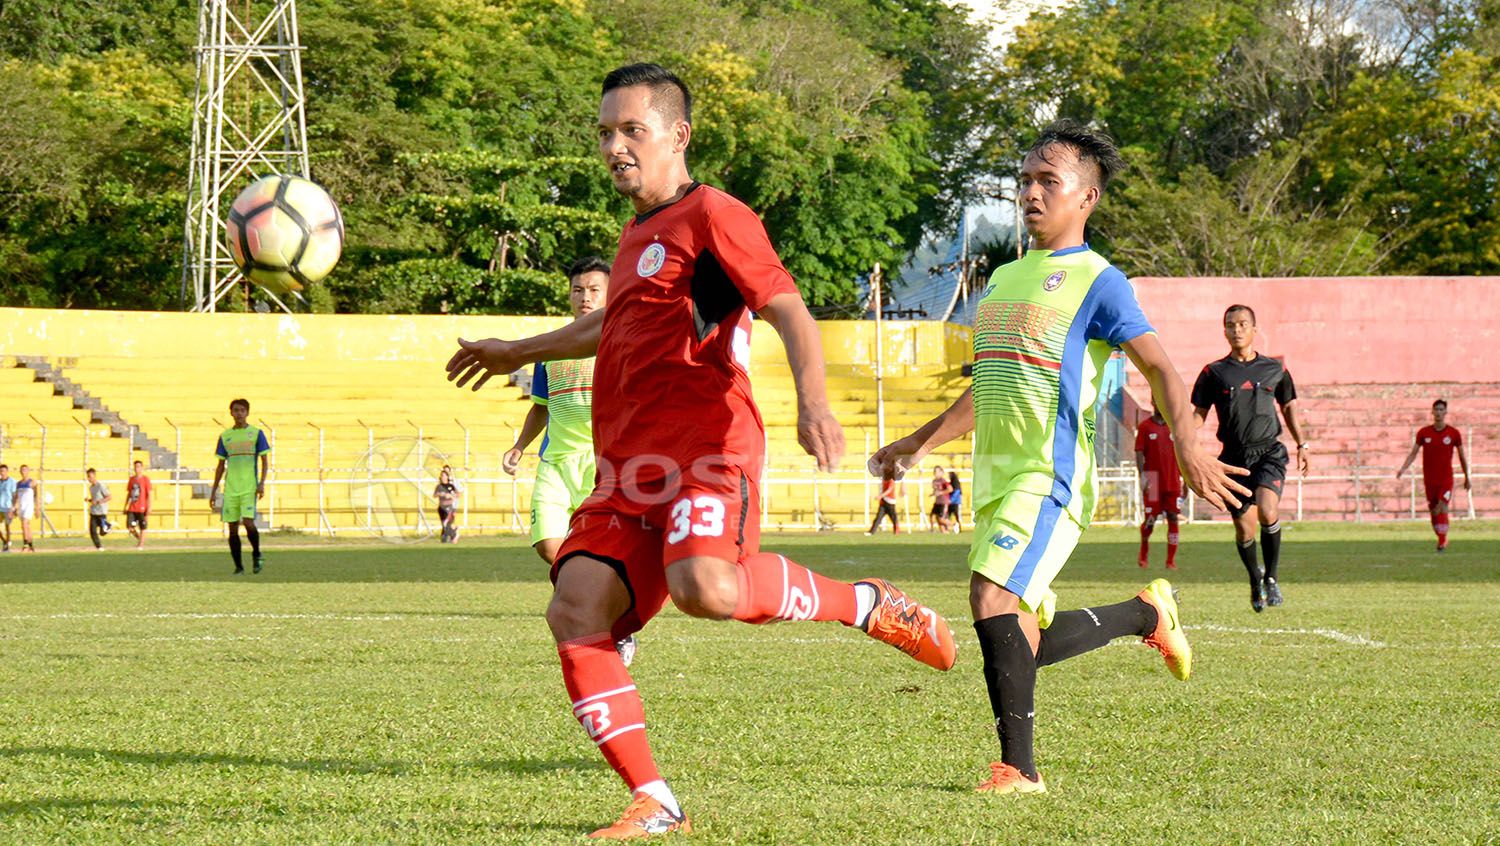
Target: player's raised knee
{"x": 704, "y": 587}
{"x": 573, "y": 616}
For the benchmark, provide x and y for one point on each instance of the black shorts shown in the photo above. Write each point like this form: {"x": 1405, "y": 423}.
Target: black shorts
{"x": 135, "y": 519}
{"x": 939, "y": 509}
{"x": 1267, "y": 470}
{"x": 954, "y": 508}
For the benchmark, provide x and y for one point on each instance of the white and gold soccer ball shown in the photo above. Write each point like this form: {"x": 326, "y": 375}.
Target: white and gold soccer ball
{"x": 285, "y": 233}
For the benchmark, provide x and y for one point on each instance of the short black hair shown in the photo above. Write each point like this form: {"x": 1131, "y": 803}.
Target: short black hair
{"x": 670, "y": 95}
{"x": 1090, "y": 145}
{"x": 1238, "y": 307}
{"x": 241, "y": 401}
{"x": 137, "y": 461}
{"x": 587, "y": 264}
{"x": 1442, "y": 402}
{"x": 4, "y": 466}
{"x": 90, "y": 470}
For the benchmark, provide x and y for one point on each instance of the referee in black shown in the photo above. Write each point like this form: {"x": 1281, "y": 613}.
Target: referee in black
{"x": 1245, "y": 388}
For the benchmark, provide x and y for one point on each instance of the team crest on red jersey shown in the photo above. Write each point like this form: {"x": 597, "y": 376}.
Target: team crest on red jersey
{"x": 652, "y": 259}
{"x": 1053, "y": 282}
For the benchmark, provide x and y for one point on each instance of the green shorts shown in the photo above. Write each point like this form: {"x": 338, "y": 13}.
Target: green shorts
{"x": 561, "y": 486}
{"x": 1021, "y": 542}
{"x": 238, "y": 507}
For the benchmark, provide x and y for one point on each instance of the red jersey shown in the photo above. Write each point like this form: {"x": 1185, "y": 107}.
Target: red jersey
{"x": 1155, "y": 440}
{"x": 671, "y": 379}
{"x": 1437, "y": 452}
{"x": 138, "y": 495}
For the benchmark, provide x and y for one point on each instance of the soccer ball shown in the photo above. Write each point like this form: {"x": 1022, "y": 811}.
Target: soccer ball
{"x": 285, "y": 233}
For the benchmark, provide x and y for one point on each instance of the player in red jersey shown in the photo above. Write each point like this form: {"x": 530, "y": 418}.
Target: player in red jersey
{"x": 679, "y": 440}
{"x": 1437, "y": 443}
{"x": 1161, "y": 482}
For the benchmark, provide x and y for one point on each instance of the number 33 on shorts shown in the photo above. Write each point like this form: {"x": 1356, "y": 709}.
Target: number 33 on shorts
{"x": 701, "y": 516}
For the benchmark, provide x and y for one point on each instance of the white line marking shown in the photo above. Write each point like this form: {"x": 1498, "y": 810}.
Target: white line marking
{"x": 1331, "y": 634}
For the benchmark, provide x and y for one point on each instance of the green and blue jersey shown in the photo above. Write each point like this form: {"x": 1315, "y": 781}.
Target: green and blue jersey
{"x": 1044, "y": 330}
{"x": 566, "y": 388}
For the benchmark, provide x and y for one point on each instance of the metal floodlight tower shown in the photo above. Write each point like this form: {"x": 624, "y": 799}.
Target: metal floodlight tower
{"x": 248, "y": 122}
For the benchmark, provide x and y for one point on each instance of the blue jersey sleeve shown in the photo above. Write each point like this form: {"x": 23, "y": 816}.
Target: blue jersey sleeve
{"x": 1117, "y": 315}
{"x": 221, "y": 451}
{"x": 539, "y": 393}
{"x": 261, "y": 446}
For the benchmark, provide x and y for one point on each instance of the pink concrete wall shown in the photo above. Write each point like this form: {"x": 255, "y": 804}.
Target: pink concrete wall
{"x": 1338, "y": 329}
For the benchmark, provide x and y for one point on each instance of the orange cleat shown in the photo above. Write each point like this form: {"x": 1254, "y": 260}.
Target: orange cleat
{"x": 1007, "y": 779}
{"x": 1168, "y": 638}
{"x": 910, "y": 626}
{"x": 644, "y": 817}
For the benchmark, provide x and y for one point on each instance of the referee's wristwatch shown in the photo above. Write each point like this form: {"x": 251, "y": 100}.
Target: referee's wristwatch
{"x": 1303, "y": 445}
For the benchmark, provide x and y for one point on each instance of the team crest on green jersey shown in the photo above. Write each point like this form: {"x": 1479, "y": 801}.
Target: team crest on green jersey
{"x": 1053, "y": 282}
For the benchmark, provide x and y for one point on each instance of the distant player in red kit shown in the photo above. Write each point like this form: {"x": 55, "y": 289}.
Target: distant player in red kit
{"x": 679, "y": 441}
{"x": 1161, "y": 483}
{"x": 1437, "y": 444}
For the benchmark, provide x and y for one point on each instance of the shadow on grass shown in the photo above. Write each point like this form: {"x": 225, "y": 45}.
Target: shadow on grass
{"x": 511, "y": 766}
{"x": 75, "y": 806}
{"x": 1314, "y": 557}
{"x": 538, "y": 766}
{"x": 171, "y": 759}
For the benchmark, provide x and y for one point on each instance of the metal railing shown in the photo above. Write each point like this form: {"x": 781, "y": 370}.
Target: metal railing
{"x": 383, "y": 488}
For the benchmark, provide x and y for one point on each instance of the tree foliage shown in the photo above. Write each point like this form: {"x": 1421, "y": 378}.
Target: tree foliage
{"x": 457, "y": 137}
{"x": 1274, "y": 137}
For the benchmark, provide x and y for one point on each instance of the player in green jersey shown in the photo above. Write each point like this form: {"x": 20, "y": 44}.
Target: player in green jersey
{"x": 239, "y": 447}
{"x": 1044, "y": 330}
{"x": 562, "y": 395}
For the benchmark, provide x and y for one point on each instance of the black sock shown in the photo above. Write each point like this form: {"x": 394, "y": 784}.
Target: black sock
{"x": 1076, "y": 632}
{"x": 1247, "y": 555}
{"x": 234, "y": 549}
{"x": 1270, "y": 541}
{"x": 254, "y": 535}
{"x": 1010, "y": 676}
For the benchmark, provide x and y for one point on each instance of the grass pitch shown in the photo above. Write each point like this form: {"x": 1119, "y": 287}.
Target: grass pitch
{"x": 410, "y": 694}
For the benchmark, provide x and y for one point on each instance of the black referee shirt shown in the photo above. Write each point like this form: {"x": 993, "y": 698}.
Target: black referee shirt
{"x": 1245, "y": 394}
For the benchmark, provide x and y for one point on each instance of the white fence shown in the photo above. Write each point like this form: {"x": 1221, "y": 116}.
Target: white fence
{"x": 385, "y": 490}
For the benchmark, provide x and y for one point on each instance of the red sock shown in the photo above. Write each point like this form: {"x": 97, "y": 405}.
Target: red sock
{"x": 1171, "y": 543}
{"x": 607, "y": 706}
{"x": 1146, "y": 529}
{"x": 773, "y": 588}
{"x": 1440, "y": 525}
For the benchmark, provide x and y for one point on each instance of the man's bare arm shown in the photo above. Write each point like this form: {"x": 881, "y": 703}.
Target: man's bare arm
{"x": 1293, "y": 425}
{"x": 535, "y": 422}
{"x": 1412, "y": 456}
{"x": 1463, "y": 461}
{"x": 493, "y": 356}
{"x": 817, "y": 430}
{"x": 899, "y": 456}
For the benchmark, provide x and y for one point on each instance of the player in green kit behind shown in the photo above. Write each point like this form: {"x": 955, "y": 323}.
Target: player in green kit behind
{"x": 239, "y": 447}
{"x": 1044, "y": 330}
{"x": 562, "y": 395}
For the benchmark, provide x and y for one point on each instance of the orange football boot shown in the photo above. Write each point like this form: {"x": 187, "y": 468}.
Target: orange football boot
{"x": 1007, "y": 779}
{"x": 910, "y": 626}
{"x": 644, "y": 817}
{"x": 1168, "y": 638}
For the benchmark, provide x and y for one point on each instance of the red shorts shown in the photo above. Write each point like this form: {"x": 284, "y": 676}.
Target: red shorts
{"x": 639, "y": 529}
{"x": 1161, "y": 502}
{"x": 1438, "y": 491}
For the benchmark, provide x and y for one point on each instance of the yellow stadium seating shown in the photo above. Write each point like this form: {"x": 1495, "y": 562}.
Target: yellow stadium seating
{"x": 361, "y": 417}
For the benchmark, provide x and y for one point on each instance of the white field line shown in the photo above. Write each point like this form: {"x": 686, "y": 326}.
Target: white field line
{"x": 1327, "y": 633}
{"x": 1331, "y": 634}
